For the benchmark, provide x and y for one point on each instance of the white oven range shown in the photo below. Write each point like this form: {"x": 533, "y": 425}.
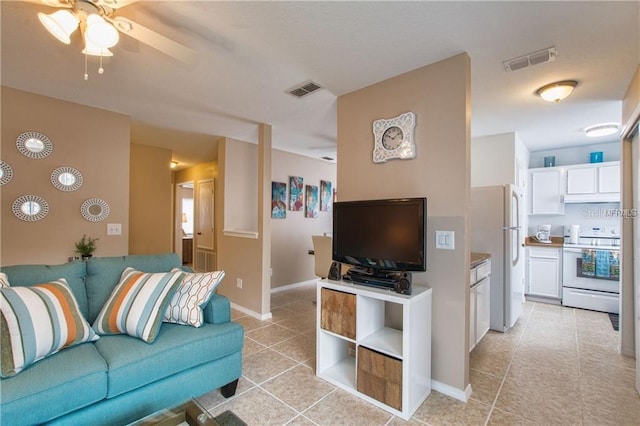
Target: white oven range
{"x": 596, "y": 285}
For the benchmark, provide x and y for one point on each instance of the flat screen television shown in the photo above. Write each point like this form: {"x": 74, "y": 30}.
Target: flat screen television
{"x": 381, "y": 235}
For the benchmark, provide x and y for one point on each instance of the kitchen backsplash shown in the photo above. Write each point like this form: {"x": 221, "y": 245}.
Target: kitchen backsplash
{"x": 585, "y": 215}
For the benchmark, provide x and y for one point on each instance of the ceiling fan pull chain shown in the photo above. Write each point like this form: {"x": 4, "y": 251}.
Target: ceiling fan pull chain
{"x": 101, "y": 70}
{"x": 86, "y": 74}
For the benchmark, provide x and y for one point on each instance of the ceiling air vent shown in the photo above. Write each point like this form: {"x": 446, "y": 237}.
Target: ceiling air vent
{"x": 535, "y": 58}
{"x": 301, "y": 90}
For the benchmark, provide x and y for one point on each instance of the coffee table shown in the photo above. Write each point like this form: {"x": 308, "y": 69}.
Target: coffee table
{"x": 191, "y": 413}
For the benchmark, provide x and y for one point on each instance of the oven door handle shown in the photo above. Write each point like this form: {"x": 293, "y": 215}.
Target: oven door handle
{"x": 572, "y": 250}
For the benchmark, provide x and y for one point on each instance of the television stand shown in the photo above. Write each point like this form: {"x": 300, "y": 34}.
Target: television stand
{"x": 392, "y": 280}
{"x": 391, "y": 364}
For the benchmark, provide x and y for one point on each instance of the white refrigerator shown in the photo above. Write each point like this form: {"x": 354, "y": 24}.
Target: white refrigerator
{"x": 496, "y": 228}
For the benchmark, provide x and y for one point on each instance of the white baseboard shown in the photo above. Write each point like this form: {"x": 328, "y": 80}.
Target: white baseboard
{"x": 261, "y": 317}
{"x": 459, "y": 394}
{"x": 294, "y": 285}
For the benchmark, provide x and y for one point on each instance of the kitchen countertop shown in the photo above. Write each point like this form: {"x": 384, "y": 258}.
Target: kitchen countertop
{"x": 556, "y": 242}
{"x": 478, "y": 258}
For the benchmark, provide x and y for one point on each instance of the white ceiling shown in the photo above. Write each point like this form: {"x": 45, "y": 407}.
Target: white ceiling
{"x": 249, "y": 53}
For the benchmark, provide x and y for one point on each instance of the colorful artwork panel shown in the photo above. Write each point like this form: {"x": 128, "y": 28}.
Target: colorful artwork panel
{"x": 326, "y": 196}
{"x": 278, "y": 200}
{"x": 296, "y": 196}
{"x": 311, "y": 209}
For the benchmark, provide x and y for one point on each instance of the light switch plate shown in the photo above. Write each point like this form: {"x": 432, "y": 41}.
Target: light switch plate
{"x": 114, "y": 229}
{"x": 445, "y": 240}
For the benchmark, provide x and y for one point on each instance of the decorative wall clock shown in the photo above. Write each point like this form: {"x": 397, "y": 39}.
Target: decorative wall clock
{"x": 394, "y": 138}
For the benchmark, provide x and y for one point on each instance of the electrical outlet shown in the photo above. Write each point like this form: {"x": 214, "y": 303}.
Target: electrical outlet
{"x": 239, "y": 282}
{"x": 114, "y": 229}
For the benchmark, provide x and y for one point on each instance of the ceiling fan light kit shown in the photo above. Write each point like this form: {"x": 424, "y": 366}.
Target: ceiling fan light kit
{"x": 60, "y": 24}
{"x": 100, "y": 30}
{"x": 100, "y": 33}
{"x": 555, "y": 92}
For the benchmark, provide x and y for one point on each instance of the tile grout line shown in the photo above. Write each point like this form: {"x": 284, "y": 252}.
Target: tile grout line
{"x": 575, "y": 324}
{"x": 504, "y": 379}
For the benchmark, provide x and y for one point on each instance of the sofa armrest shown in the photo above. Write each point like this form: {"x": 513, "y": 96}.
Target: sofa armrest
{"x": 218, "y": 310}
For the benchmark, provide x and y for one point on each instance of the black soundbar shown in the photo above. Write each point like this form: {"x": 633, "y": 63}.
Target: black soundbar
{"x": 400, "y": 282}
{"x": 389, "y": 283}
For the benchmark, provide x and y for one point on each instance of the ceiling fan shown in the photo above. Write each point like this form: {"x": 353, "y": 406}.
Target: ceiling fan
{"x": 100, "y": 28}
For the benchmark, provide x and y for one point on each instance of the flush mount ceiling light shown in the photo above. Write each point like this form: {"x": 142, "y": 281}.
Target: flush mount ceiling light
{"x": 555, "y": 92}
{"x": 603, "y": 129}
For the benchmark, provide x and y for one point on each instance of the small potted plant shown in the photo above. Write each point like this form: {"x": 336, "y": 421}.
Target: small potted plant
{"x": 86, "y": 246}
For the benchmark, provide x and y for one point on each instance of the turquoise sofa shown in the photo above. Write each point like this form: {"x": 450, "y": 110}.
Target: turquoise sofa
{"x": 119, "y": 379}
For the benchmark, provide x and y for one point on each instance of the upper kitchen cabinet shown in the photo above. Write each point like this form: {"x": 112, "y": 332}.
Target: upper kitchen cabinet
{"x": 593, "y": 183}
{"x": 546, "y": 191}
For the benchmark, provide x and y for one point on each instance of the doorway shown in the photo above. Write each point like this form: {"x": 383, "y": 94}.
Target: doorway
{"x": 185, "y": 220}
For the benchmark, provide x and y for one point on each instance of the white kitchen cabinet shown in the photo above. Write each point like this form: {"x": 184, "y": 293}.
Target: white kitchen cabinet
{"x": 582, "y": 180}
{"x": 593, "y": 183}
{"x": 547, "y": 191}
{"x": 375, "y": 344}
{"x": 609, "y": 179}
{"x": 479, "y": 303}
{"x": 544, "y": 276}
{"x": 473, "y": 298}
{"x": 483, "y": 308}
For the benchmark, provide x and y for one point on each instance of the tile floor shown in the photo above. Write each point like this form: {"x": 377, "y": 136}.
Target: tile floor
{"x": 556, "y": 366}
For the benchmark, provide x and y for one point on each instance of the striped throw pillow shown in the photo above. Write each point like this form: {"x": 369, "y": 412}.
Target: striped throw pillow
{"x": 38, "y": 321}
{"x": 4, "y": 281}
{"x": 191, "y": 296}
{"x": 137, "y": 303}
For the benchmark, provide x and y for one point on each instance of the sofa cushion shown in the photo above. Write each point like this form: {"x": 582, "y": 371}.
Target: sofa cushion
{"x": 133, "y": 363}
{"x": 74, "y": 272}
{"x": 194, "y": 292}
{"x": 71, "y": 379}
{"x": 38, "y": 321}
{"x": 103, "y": 274}
{"x": 137, "y": 304}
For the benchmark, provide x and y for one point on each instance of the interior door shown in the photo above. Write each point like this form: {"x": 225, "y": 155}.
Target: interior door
{"x": 635, "y": 161}
{"x": 204, "y": 239}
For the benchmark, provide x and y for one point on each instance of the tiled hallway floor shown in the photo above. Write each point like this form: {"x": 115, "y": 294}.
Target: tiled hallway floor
{"x": 556, "y": 366}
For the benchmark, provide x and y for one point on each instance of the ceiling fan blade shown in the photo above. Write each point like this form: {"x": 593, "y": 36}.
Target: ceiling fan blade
{"x": 51, "y": 3}
{"x": 114, "y": 4}
{"x": 153, "y": 39}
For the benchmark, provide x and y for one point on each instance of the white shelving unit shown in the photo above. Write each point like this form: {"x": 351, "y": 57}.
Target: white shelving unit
{"x": 391, "y": 330}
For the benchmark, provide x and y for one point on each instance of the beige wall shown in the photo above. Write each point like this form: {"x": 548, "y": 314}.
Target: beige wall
{"x": 150, "y": 208}
{"x": 631, "y": 101}
{"x": 244, "y": 258}
{"x": 241, "y": 187}
{"x": 94, "y": 141}
{"x": 499, "y": 160}
{"x": 198, "y": 172}
{"x": 630, "y": 312}
{"x": 291, "y": 237}
{"x": 439, "y": 95}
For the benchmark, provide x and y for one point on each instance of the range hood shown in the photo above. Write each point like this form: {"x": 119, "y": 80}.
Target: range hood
{"x": 613, "y": 197}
